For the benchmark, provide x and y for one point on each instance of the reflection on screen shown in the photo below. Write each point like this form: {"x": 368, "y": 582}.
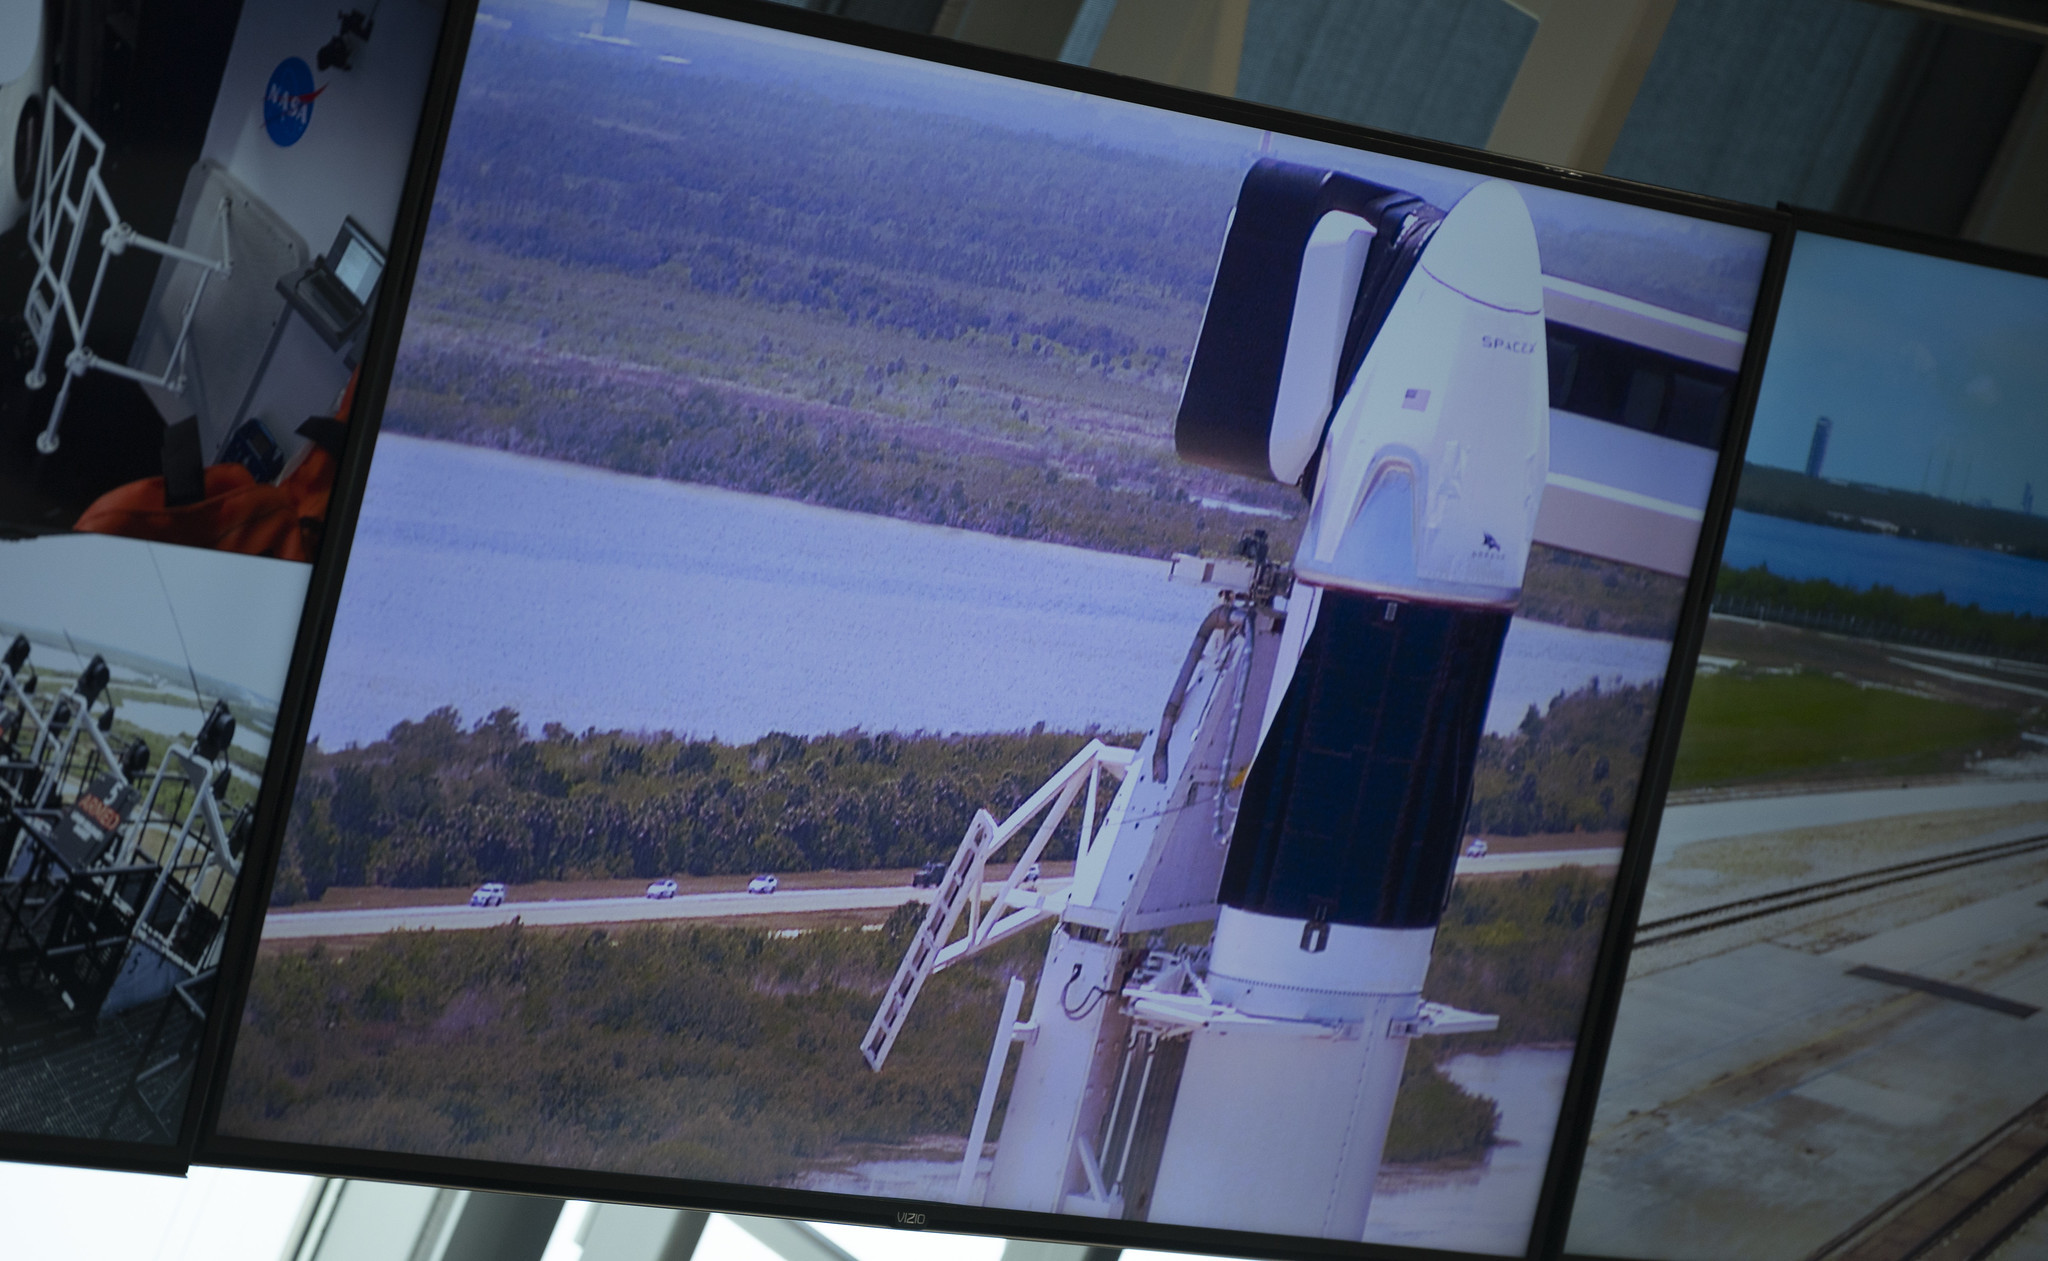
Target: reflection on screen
{"x": 1828, "y": 1042}
{"x": 865, "y": 673}
{"x": 357, "y": 270}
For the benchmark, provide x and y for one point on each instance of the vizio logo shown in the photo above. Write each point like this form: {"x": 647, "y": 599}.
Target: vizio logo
{"x": 907, "y": 1217}
{"x": 288, "y": 101}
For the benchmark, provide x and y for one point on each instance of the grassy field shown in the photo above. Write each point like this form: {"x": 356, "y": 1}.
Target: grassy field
{"x": 730, "y": 1053}
{"x": 1746, "y": 727}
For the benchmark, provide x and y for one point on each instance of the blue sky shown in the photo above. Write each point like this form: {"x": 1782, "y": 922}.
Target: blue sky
{"x": 1935, "y": 373}
{"x": 236, "y": 617}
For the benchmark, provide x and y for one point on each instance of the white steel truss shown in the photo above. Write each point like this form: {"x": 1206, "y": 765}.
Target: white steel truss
{"x": 1012, "y": 909}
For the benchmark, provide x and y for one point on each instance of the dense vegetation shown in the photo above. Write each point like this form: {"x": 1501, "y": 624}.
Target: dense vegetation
{"x": 1586, "y": 593}
{"x": 917, "y": 311}
{"x": 1759, "y": 726}
{"x": 732, "y": 1053}
{"x": 433, "y": 805}
{"x": 1789, "y": 493}
{"x": 1879, "y": 612}
{"x": 952, "y": 321}
{"x": 1572, "y": 768}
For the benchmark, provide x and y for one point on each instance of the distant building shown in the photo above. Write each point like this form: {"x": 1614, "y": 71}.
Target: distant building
{"x": 1817, "y": 451}
{"x": 2027, "y": 499}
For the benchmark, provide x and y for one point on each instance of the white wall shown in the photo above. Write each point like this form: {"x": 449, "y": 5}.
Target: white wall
{"x": 353, "y": 157}
{"x": 350, "y": 163}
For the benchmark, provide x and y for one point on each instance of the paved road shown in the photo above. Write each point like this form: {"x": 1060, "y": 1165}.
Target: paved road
{"x": 1713, "y": 820}
{"x": 284, "y": 925}
{"x": 587, "y": 911}
{"x": 1541, "y": 860}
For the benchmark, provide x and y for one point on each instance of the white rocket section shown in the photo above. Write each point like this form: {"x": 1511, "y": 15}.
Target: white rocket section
{"x": 1295, "y": 1033}
{"x": 1311, "y": 1104}
{"x": 1436, "y": 459}
{"x": 1429, "y": 486}
{"x": 1064, "y": 1082}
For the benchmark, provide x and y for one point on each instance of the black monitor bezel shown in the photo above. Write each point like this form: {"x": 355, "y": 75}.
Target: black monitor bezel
{"x": 1547, "y": 1228}
{"x": 1799, "y": 221}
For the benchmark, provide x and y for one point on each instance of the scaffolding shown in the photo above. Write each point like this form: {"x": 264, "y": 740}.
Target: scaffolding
{"x": 117, "y": 874}
{"x": 68, "y": 191}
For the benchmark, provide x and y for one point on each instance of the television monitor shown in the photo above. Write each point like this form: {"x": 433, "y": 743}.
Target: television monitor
{"x": 1829, "y": 1041}
{"x": 170, "y": 433}
{"x": 941, "y": 640}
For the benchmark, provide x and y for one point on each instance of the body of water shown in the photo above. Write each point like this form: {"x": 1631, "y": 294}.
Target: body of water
{"x": 1965, "y": 575}
{"x": 480, "y": 579}
{"x": 1488, "y": 1208}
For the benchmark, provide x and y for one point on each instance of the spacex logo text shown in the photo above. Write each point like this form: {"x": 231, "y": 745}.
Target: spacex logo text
{"x": 1512, "y": 344}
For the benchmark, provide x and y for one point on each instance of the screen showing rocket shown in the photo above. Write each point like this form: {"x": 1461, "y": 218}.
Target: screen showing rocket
{"x": 1837, "y": 977}
{"x": 919, "y": 635}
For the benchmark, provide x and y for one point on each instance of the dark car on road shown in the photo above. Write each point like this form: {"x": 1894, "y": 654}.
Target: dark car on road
{"x": 929, "y": 875}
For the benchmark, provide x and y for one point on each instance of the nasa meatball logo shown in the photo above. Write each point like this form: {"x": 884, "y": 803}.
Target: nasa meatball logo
{"x": 288, "y": 101}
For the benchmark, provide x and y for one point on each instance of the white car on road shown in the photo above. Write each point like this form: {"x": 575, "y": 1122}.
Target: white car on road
{"x": 662, "y": 889}
{"x": 492, "y": 894}
{"x": 761, "y": 884}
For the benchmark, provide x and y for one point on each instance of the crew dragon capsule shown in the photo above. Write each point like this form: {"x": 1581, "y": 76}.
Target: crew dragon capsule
{"x": 1424, "y": 473}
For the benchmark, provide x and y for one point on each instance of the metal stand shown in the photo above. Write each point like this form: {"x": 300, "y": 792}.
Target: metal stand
{"x": 68, "y": 187}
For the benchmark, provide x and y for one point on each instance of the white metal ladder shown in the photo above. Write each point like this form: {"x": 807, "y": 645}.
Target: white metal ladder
{"x": 961, "y": 888}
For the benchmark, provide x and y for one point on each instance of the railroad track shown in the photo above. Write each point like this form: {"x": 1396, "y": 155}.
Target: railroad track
{"x": 1967, "y": 1210}
{"x": 1676, "y": 927}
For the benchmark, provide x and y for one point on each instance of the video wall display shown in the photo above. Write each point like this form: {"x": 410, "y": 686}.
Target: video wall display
{"x": 1829, "y": 1043}
{"x": 194, "y": 218}
{"x": 919, "y": 635}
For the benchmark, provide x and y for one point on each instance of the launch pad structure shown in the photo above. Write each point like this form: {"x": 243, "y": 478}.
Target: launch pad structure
{"x": 116, "y": 886}
{"x": 1218, "y": 1031}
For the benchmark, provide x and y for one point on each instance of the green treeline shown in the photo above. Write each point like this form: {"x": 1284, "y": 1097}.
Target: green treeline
{"x": 1521, "y": 948}
{"x": 733, "y": 1054}
{"x": 1789, "y": 493}
{"x": 433, "y": 805}
{"x": 1587, "y": 593}
{"x": 1879, "y": 612}
{"x": 1572, "y": 769}
{"x": 1115, "y": 495}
